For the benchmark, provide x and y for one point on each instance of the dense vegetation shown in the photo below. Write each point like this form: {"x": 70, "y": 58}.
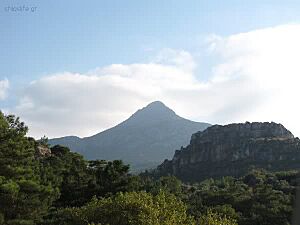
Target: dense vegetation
{"x": 63, "y": 188}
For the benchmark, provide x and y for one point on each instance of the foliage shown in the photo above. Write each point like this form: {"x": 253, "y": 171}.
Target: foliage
{"x": 258, "y": 198}
{"x": 68, "y": 172}
{"x": 44, "y": 141}
{"x": 213, "y": 218}
{"x": 24, "y": 198}
{"x": 110, "y": 177}
{"x": 132, "y": 208}
{"x": 168, "y": 184}
{"x": 79, "y": 180}
{"x": 63, "y": 188}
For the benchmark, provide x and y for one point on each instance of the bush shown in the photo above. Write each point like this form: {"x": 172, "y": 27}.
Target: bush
{"x": 133, "y": 208}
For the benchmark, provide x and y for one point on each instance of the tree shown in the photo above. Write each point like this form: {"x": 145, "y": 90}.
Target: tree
{"x": 68, "y": 172}
{"x": 23, "y": 197}
{"x": 110, "y": 177}
{"x": 258, "y": 198}
{"x": 132, "y": 208}
{"x": 213, "y": 218}
{"x": 44, "y": 141}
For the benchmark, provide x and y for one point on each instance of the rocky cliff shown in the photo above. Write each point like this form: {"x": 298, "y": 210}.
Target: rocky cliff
{"x": 232, "y": 150}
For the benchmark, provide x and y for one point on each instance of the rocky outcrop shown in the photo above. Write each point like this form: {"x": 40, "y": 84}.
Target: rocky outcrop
{"x": 42, "y": 151}
{"x": 232, "y": 150}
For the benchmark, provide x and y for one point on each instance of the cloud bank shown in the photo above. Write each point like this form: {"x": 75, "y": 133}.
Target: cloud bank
{"x": 269, "y": 58}
{"x": 256, "y": 79}
{"x": 4, "y": 85}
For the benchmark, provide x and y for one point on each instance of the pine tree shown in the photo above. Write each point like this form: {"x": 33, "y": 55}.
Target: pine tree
{"x": 23, "y": 197}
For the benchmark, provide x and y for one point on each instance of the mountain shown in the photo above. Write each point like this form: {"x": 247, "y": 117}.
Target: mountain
{"x": 143, "y": 140}
{"x": 232, "y": 150}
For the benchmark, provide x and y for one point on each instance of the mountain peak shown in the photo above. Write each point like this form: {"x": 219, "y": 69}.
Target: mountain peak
{"x": 156, "y": 104}
{"x": 155, "y": 111}
{"x": 156, "y": 108}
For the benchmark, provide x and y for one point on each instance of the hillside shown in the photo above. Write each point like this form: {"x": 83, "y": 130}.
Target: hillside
{"x": 232, "y": 150}
{"x": 146, "y": 138}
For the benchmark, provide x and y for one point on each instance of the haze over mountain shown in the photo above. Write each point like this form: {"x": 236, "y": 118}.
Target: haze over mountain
{"x": 146, "y": 138}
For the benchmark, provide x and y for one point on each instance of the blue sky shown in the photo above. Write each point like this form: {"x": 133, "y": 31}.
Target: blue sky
{"x": 80, "y": 36}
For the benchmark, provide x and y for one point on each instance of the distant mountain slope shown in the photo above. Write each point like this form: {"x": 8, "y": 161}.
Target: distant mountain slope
{"x": 145, "y": 139}
{"x": 232, "y": 150}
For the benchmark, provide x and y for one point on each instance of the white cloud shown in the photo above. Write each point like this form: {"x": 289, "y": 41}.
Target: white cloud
{"x": 4, "y": 85}
{"x": 83, "y": 104}
{"x": 269, "y": 59}
{"x": 180, "y": 58}
{"x": 256, "y": 80}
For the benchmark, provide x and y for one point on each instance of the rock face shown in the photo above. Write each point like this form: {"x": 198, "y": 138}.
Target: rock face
{"x": 42, "y": 152}
{"x": 232, "y": 150}
{"x": 146, "y": 138}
